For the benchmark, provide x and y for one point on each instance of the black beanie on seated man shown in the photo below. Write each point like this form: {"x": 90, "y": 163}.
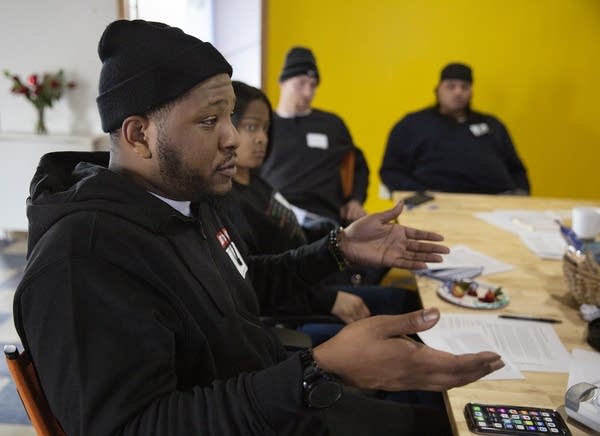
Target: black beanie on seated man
{"x": 457, "y": 71}
{"x": 299, "y": 61}
{"x": 146, "y": 64}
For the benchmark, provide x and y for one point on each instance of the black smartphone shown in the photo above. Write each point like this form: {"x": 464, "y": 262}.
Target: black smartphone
{"x": 496, "y": 419}
{"x": 417, "y": 198}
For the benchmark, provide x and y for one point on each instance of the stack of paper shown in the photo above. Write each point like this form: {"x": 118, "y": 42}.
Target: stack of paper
{"x": 463, "y": 262}
{"x": 537, "y": 229}
{"x": 545, "y": 245}
{"x": 523, "y": 345}
{"x": 457, "y": 273}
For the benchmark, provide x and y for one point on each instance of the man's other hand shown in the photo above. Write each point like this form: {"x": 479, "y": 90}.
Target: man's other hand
{"x": 349, "y": 307}
{"x": 352, "y": 211}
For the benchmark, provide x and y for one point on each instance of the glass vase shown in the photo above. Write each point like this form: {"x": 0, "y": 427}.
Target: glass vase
{"x": 40, "y": 127}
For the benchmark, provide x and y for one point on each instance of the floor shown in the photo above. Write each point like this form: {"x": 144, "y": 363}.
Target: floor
{"x": 13, "y": 419}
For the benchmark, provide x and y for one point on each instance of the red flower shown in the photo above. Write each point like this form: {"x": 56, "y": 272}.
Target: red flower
{"x": 40, "y": 89}
{"x": 19, "y": 89}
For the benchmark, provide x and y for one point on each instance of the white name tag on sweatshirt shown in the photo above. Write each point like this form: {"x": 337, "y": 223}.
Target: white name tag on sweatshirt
{"x": 479, "y": 129}
{"x": 317, "y": 140}
{"x": 232, "y": 251}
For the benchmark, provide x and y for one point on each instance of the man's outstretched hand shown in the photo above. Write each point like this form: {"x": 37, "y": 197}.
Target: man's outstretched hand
{"x": 375, "y": 353}
{"x": 378, "y": 240}
{"x": 352, "y": 211}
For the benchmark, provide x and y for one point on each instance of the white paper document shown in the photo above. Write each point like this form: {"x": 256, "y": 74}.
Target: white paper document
{"x": 460, "y": 273}
{"x": 462, "y": 256}
{"x": 530, "y": 346}
{"x": 518, "y": 220}
{"x": 537, "y": 229}
{"x": 546, "y": 245}
{"x": 469, "y": 341}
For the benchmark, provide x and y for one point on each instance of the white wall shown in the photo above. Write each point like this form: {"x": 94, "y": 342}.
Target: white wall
{"x": 45, "y": 36}
{"x": 237, "y": 35}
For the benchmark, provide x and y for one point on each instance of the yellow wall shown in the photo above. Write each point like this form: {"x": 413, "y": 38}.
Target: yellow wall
{"x": 536, "y": 66}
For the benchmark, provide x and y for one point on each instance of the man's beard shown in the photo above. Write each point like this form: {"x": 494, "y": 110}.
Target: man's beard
{"x": 180, "y": 181}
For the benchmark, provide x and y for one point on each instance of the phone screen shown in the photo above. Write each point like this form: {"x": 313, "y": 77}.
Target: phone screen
{"x": 514, "y": 420}
{"x": 416, "y": 199}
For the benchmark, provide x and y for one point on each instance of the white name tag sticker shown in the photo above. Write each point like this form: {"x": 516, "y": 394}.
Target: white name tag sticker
{"x": 237, "y": 259}
{"x": 479, "y": 129}
{"x": 232, "y": 251}
{"x": 317, "y": 140}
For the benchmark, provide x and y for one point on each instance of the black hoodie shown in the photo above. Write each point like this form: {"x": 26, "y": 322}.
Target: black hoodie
{"x": 138, "y": 321}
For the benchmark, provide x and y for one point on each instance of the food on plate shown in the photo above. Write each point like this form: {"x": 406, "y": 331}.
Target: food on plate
{"x": 472, "y": 294}
{"x": 462, "y": 288}
{"x": 458, "y": 290}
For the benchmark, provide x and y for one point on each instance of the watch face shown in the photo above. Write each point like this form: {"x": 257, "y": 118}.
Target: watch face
{"x": 324, "y": 393}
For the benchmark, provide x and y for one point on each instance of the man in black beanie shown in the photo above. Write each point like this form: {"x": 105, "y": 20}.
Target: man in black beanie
{"x": 310, "y": 146}
{"x": 314, "y": 162}
{"x": 137, "y": 304}
{"x": 450, "y": 147}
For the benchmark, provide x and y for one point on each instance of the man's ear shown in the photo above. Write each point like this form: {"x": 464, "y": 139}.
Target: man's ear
{"x": 135, "y": 133}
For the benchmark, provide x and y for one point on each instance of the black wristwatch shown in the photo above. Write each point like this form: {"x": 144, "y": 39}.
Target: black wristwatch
{"x": 321, "y": 390}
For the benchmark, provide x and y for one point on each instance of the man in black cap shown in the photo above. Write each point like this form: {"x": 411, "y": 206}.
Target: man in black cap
{"x": 137, "y": 303}
{"x": 310, "y": 146}
{"x": 450, "y": 147}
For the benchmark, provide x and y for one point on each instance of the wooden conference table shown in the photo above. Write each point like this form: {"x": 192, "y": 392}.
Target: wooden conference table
{"x": 535, "y": 286}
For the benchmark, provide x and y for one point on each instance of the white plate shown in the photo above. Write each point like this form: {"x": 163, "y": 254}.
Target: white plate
{"x": 445, "y": 292}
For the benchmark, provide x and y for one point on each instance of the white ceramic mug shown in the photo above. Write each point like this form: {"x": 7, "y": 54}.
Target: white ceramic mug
{"x": 586, "y": 222}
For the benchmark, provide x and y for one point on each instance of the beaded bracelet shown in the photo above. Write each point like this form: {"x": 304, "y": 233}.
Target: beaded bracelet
{"x": 336, "y": 252}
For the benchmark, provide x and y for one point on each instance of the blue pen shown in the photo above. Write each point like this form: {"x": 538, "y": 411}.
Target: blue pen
{"x": 570, "y": 237}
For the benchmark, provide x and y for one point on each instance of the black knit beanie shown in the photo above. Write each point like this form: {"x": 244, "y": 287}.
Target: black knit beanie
{"x": 299, "y": 61}
{"x": 147, "y": 64}
{"x": 457, "y": 71}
